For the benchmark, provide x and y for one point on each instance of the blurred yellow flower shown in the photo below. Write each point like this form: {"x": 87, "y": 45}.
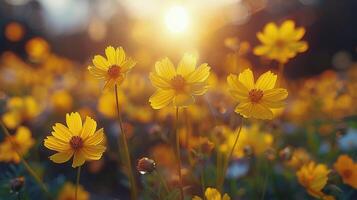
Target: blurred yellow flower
{"x": 112, "y": 69}
{"x": 20, "y": 109}
{"x": 256, "y": 100}
{"x": 314, "y": 178}
{"x": 20, "y": 143}
{"x": 250, "y": 137}
{"x": 347, "y": 169}
{"x": 299, "y": 158}
{"x": 212, "y": 194}
{"x": 81, "y": 142}
{"x": 68, "y": 191}
{"x": 62, "y": 101}
{"x": 107, "y": 104}
{"x": 37, "y": 48}
{"x": 281, "y": 43}
{"x": 180, "y": 85}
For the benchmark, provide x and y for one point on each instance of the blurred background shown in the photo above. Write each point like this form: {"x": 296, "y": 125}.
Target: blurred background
{"x": 78, "y": 29}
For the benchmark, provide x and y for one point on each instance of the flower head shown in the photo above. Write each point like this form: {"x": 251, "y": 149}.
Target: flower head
{"x": 68, "y": 191}
{"x": 347, "y": 169}
{"x": 314, "y": 178}
{"x": 256, "y": 100}
{"x": 82, "y": 142}
{"x": 281, "y": 43}
{"x": 112, "y": 69}
{"x": 180, "y": 85}
{"x": 213, "y": 194}
{"x": 20, "y": 143}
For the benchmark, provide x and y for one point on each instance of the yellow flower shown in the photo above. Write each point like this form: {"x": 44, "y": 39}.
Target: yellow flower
{"x": 347, "y": 169}
{"x": 112, "y": 69}
{"x": 20, "y": 109}
{"x": 180, "y": 85}
{"x": 107, "y": 103}
{"x": 21, "y": 142}
{"x": 62, "y": 100}
{"x": 281, "y": 43}
{"x": 256, "y": 100}
{"x": 314, "y": 178}
{"x": 68, "y": 191}
{"x": 81, "y": 142}
{"x": 213, "y": 194}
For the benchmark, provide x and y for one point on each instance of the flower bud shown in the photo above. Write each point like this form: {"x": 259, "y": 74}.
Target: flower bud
{"x": 145, "y": 165}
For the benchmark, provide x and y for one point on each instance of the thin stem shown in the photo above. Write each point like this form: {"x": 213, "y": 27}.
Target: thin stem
{"x": 77, "y": 182}
{"x": 163, "y": 182}
{"x": 226, "y": 162}
{"x": 178, "y": 154}
{"x": 24, "y": 162}
{"x": 281, "y": 73}
{"x": 126, "y": 149}
{"x": 265, "y": 184}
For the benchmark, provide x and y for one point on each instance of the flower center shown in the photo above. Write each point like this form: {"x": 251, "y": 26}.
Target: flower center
{"x": 255, "y": 95}
{"x": 347, "y": 173}
{"x": 76, "y": 142}
{"x": 280, "y": 43}
{"x": 178, "y": 83}
{"x": 114, "y": 71}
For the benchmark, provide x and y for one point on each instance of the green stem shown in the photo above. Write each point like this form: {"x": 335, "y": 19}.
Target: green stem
{"x": 24, "y": 162}
{"x": 126, "y": 149}
{"x": 265, "y": 183}
{"x": 77, "y": 182}
{"x": 178, "y": 154}
{"x": 226, "y": 161}
{"x": 162, "y": 180}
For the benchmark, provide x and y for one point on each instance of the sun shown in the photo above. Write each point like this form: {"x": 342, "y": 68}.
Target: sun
{"x": 177, "y": 19}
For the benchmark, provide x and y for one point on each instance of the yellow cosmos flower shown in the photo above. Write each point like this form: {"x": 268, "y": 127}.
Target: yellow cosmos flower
{"x": 213, "y": 194}
{"x": 281, "y": 43}
{"x": 180, "y": 85}
{"x": 347, "y": 169}
{"x": 314, "y": 178}
{"x": 21, "y": 142}
{"x": 68, "y": 191}
{"x": 112, "y": 69}
{"x": 81, "y": 142}
{"x": 256, "y": 100}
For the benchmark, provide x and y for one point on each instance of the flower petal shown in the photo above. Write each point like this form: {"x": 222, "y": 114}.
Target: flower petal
{"x": 100, "y": 62}
{"x": 119, "y": 56}
{"x": 111, "y": 55}
{"x": 96, "y": 138}
{"x": 61, "y": 157}
{"x": 89, "y": 127}
{"x": 127, "y": 65}
{"x": 200, "y": 74}
{"x": 78, "y": 159}
{"x": 159, "y": 82}
{"x": 165, "y": 68}
{"x": 247, "y": 78}
{"x": 61, "y": 132}
{"x": 55, "y": 144}
{"x": 266, "y": 81}
{"x": 74, "y": 123}
{"x": 93, "y": 152}
{"x": 277, "y": 94}
{"x": 161, "y": 98}
{"x": 187, "y": 65}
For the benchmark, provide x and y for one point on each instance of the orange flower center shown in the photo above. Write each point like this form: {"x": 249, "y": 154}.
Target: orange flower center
{"x": 255, "y": 95}
{"x": 114, "y": 71}
{"x": 347, "y": 173}
{"x": 76, "y": 142}
{"x": 280, "y": 43}
{"x": 178, "y": 83}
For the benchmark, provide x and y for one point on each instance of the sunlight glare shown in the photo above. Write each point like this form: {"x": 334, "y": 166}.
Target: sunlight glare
{"x": 177, "y": 19}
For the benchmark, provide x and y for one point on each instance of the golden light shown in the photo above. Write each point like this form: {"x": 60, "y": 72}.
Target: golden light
{"x": 177, "y": 19}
